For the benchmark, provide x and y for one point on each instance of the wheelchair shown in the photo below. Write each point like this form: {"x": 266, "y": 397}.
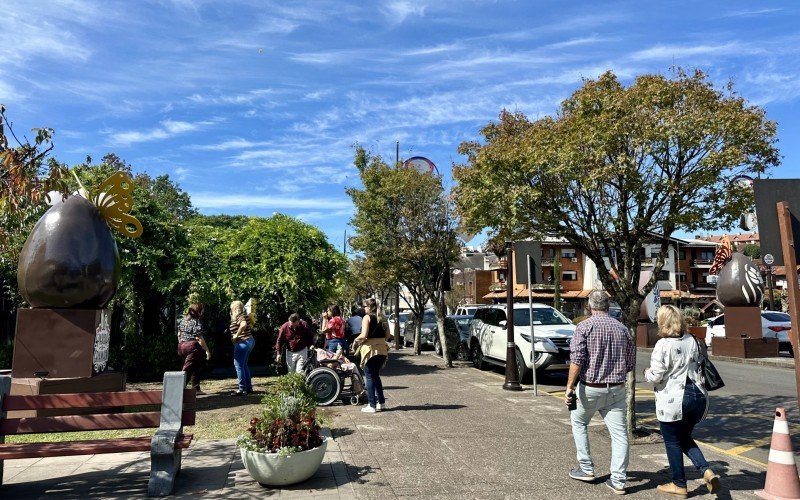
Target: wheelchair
{"x": 329, "y": 379}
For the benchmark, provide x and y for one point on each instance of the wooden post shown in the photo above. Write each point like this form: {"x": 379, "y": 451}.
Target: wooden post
{"x": 790, "y": 264}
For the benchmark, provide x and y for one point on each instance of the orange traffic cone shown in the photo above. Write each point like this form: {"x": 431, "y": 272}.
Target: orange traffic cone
{"x": 782, "y": 480}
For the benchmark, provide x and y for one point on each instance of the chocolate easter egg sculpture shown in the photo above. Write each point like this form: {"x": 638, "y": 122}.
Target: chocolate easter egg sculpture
{"x": 70, "y": 259}
{"x": 740, "y": 283}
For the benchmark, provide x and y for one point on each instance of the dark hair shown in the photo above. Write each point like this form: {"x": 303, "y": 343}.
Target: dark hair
{"x": 294, "y": 317}
{"x": 334, "y": 310}
{"x": 195, "y": 311}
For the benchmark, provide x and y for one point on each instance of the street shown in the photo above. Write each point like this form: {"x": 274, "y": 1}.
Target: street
{"x": 741, "y": 414}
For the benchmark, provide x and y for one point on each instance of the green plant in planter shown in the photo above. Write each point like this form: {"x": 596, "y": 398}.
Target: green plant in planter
{"x": 288, "y": 422}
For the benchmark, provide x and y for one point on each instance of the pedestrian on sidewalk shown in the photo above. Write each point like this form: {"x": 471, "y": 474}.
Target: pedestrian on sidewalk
{"x": 296, "y": 337}
{"x": 601, "y": 354}
{"x": 681, "y": 398}
{"x": 191, "y": 345}
{"x": 373, "y": 351}
{"x": 333, "y": 328}
{"x": 243, "y": 343}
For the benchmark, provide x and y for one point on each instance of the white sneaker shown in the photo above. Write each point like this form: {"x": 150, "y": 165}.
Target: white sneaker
{"x": 368, "y": 409}
{"x": 380, "y": 407}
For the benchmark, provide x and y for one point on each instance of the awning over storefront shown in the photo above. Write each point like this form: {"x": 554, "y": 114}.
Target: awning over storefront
{"x": 523, "y": 293}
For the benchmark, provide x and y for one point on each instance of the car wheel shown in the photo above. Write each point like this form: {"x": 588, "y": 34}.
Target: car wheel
{"x": 437, "y": 347}
{"x": 523, "y": 372}
{"x": 477, "y": 357}
{"x": 791, "y": 351}
{"x": 463, "y": 352}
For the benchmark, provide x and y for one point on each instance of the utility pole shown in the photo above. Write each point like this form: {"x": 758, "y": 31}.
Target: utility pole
{"x": 512, "y": 374}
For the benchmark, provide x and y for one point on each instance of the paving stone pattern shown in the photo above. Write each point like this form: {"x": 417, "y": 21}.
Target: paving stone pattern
{"x": 447, "y": 433}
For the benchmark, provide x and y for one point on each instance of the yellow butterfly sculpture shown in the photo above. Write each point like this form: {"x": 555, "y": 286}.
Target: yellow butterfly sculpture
{"x": 115, "y": 202}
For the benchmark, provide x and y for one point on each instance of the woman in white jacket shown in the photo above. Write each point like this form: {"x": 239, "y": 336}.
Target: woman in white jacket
{"x": 681, "y": 398}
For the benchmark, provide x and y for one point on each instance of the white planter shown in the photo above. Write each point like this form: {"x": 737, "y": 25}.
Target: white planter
{"x": 271, "y": 469}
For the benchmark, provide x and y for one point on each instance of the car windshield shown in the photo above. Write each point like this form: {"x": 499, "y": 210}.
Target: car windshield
{"x": 541, "y": 316}
{"x": 429, "y": 317}
{"x": 471, "y": 310}
{"x": 463, "y": 322}
{"x": 776, "y": 317}
{"x": 403, "y": 317}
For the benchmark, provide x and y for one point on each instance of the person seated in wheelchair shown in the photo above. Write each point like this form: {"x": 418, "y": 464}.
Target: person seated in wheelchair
{"x": 336, "y": 360}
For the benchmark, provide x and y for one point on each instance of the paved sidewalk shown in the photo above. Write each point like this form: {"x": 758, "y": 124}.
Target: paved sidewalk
{"x": 448, "y": 433}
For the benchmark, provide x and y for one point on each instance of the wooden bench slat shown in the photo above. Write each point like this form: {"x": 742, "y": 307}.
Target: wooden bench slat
{"x": 88, "y": 400}
{"x": 93, "y": 447}
{"x": 73, "y": 423}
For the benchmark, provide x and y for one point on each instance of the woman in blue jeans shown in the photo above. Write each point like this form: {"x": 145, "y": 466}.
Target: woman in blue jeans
{"x": 681, "y": 398}
{"x": 243, "y": 343}
{"x": 374, "y": 351}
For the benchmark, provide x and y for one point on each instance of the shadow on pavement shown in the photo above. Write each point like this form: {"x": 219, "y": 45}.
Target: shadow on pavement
{"x": 425, "y": 407}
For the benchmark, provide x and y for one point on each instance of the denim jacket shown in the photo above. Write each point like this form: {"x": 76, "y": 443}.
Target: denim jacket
{"x": 672, "y": 361}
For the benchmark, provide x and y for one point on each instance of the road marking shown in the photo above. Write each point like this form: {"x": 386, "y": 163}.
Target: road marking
{"x": 749, "y": 460}
{"x": 744, "y": 448}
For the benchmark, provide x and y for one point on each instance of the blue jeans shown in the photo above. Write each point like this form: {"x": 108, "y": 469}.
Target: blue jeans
{"x": 372, "y": 376}
{"x": 241, "y": 351}
{"x": 333, "y": 343}
{"x": 678, "y": 435}
{"x": 610, "y": 402}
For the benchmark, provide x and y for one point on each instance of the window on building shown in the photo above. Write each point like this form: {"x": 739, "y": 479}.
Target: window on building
{"x": 568, "y": 253}
{"x": 682, "y": 255}
{"x": 551, "y": 252}
{"x": 663, "y": 276}
{"x": 706, "y": 255}
{"x": 569, "y": 276}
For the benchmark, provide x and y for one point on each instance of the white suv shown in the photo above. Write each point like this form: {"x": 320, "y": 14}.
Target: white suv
{"x": 552, "y": 332}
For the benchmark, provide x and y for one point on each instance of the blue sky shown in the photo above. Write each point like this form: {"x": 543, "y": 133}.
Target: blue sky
{"x": 253, "y": 106}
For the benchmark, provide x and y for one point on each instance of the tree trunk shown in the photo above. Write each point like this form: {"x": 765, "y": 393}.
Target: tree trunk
{"x": 418, "y": 333}
{"x": 630, "y": 390}
{"x": 441, "y": 310}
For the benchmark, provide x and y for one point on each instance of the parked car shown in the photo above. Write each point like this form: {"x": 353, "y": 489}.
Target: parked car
{"x": 773, "y": 325}
{"x": 429, "y": 335}
{"x": 468, "y": 309}
{"x": 552, "y": 332}
{"x": 462, "y": 322}
{"x": 404, "y": 315}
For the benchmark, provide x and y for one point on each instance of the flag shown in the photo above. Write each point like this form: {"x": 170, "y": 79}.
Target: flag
{"x": 722, "y": 256}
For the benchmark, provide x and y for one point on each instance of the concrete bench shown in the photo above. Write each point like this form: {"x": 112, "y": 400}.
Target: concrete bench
{"x": 165, "y": 445}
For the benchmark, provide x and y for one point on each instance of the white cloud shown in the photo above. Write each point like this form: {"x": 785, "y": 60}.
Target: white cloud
{"x": 228, "y": 145}
{"x": 212, "y": 200}
{"x": 397, "y": 11}
{"x": 666, "y": 52}
{"x": 167, "y": 129}
{"x": 322, "y": 216}
{"x": 750, "y": 13}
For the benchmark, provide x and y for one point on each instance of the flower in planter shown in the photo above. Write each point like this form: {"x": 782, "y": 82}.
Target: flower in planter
{"x": 288, "y": 421}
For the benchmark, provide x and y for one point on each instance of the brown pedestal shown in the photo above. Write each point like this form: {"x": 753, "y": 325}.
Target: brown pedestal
{"x": 105, "y": 382}
{"x": 60, "y": 342}
{"x": 742, "y": 322}
{"x": 744, "y": 348}
{"x": 646, "y": 334}
{"x": 698, "y": 332}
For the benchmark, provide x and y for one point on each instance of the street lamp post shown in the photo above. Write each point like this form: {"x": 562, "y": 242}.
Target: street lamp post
{"x": 512, "y": 374}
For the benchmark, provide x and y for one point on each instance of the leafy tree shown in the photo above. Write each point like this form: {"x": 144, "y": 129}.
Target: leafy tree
{"x": 618, "y": 166}
{"x": 752, "y": 250}
{"x": 405, "y": 223}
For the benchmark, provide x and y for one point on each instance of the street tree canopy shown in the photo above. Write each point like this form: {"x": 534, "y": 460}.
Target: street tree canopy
{"x": 406, "y": 228}
{"x": 617, "y": 167}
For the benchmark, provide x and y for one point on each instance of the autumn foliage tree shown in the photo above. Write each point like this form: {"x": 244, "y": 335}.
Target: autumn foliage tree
{"x": 617, "y": 167}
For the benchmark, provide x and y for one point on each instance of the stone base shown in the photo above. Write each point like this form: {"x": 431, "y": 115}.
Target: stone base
{"x": 104, "y": 382}
{"x": 744, "y": 348}
{"x": 646, "y": 334}
{"x": 56, "y": 343}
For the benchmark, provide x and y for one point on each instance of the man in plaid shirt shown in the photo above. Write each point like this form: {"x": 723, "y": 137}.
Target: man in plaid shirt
{"x": 601, "y": 354}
